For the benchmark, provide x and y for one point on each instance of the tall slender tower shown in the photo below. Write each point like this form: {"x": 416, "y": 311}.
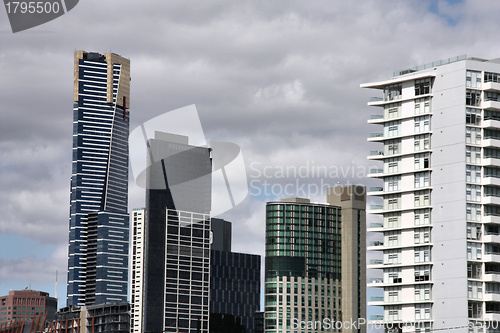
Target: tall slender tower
{"x": 439, "y": 154}
{"x": 99, "y": 222}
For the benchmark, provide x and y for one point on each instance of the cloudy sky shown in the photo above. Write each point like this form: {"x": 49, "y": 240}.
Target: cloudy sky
{"x": 278, "y": 78}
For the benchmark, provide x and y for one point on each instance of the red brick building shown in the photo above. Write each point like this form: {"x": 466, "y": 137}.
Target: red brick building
{"x": 25, "y": 305}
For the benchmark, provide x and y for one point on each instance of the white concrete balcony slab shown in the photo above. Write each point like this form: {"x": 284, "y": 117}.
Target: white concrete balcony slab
{"x": 491, "y": 162}
{"x": 491, "y": 86}
{"x": 491, "y": 258}
{"x": 491, "y": 277}
{"x": 490, "y": 181}
{"x": 491, "y": 105}
{"x": 491, "y": 238}
{"x": 490, "y": 142}
{"x": 490, "y": 219}
{"x": 491, "y": 297}
{"x": 490, "y": 123}
{"x": 491, "y": 200}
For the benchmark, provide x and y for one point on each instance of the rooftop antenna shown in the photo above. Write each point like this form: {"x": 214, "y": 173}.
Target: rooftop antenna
{"x": 56, "y": 286}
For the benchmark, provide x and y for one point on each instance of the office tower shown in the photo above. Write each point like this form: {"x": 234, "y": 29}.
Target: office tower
{"x": 304, "y": 262}
{"x": 439, "y": 149}
{"x": 177, "y": 236}
{"x": 136, "y": 310}
{"x": 26, "y": 305}
{"x": 234, "y": 284}
{"x": 99, "y": 221}
{"x": 352, "y": 201}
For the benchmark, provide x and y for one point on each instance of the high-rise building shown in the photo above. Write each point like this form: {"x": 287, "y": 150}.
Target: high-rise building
{"x": 176, "y": 249}
{"x": 306, "y": 269}
{"x": 137, "y": 286}
{"x": 234, "y": 284}
{"x": 26, "y": 305}
{"x": 440, "y": 149}
{"x": 99, "y": 221}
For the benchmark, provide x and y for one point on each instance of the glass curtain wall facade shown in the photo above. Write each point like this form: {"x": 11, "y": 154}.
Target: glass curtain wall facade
{"x": 99, "y": 221}
{"x": 302, "y": 265}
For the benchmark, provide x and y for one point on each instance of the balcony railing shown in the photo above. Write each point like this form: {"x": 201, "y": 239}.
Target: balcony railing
{"x": 377, "y": 298}
{"x": 376, "y": 99}
{"x": 376, "y": 152}
{"x": 376, "y": 207}
{"x": 377, "y": 317}
{"x": 377, "y": 280}
{"x": 376, "y": 116}
{"x": 377, "y": 135}
{"x": 376, "y": 225}
{"x": 375, "y": 170}
{"x": 376, "y": 189}
{"x": 376, "y": 243}
{"x": 376, "y": 262}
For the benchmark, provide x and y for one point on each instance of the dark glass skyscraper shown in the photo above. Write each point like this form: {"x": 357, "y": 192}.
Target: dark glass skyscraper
{"x": 177, "y": 236}
{"x": 99, "y": 221}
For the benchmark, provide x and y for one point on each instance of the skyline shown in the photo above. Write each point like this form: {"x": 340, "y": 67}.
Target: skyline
{"x": 259, "y": 73}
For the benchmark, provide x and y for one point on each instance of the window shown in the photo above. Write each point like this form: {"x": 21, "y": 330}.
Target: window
{"x": 391, "y": 147}
{"x": 422, "y": 235}
{"x": 392, "y": 128}
{"x": 473, "y": 116}
{"x": 491, "y": 77}
{"x": 473, "y": 155}
{"x": 392, "y": 110}
{"x": 473, "y": 97}
{"x": 392, "y": 92}
{"x": 474, "y": 251}
{"x": 473, "y": 79}
{"x": 392, "y": 202}
{"x": 422, "y": 292}
{"x": 422, "y": 273}
{"x": 473, "y": 231}
{"x": 422, "y": 198}
{"x": 422, "y": 179}
{"x": 422, "y": 105}
{"x": 392, "y": 183}
{"x": 422, "y": 142}
{"x": 473, "y": 192}
{"x": 422, "y": 161}
{"x": 475, "y": 289}
{"x": 422, "y": 87}
{"x": 422, "y": 216}
{"x": 392, "y": 238}
{"x": 392, "y": 257}
{"x": 473, "y": 212}
{"x": 473, "y": 135}
{"x": 422, "y": 124}
{"x": 473, "y": 174}
{"x": 392, "y": 275}
{"x": 391, "y": 165}
{"x": 392, "y": 294}
{"x": 392, "y": 220}
{"x": 422, "y": 311}
{"x": 392, "y": 313}
{"x": 422, "y": 254}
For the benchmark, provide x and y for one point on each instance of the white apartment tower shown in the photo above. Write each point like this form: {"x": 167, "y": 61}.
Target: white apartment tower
{"x": 137, "y": 288}
{"x": 439, "y": 149}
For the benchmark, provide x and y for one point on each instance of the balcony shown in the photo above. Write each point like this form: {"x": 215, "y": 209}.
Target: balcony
{"x": 490, "y": 199}
{"x": 375, "y": 246}
{"x": 376, "y": 119}
{"x": 376, "y": 227}
{"x": 491, "y": 86}
{"x": 376, "y": 136}
{"x": 491, "y": 237}
{"x": 376, "y": 207}
{"x": 491, "y": 218}
{"x": 491, "y": 123}
{"x": 491, "y": 105}
{"x": 491, "y": 257}
{"x": 375, "y": 190}
{"x": 491, "y": 180}
{"x": 490, "y": 141}
{"x": 376, "y": 155}
{"x": 492, "y": 276}
{"x": 492, "y": 296}
{"x": 376, "y": 262}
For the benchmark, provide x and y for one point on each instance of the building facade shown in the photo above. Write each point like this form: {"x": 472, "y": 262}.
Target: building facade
{"x": 137, "y": 286}
{"x": 105, "y": 318}
{"x": 234, "y": 284}
{"x": 26, "y": 305}
{"x": 439, "y": 154}
{"x": 99, "y": 220}
{"x": 176, "y": 249}
{"x": 304, "y": 264}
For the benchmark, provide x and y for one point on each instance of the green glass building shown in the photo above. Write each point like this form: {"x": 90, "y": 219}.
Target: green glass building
{"x": 304, "y": 264}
